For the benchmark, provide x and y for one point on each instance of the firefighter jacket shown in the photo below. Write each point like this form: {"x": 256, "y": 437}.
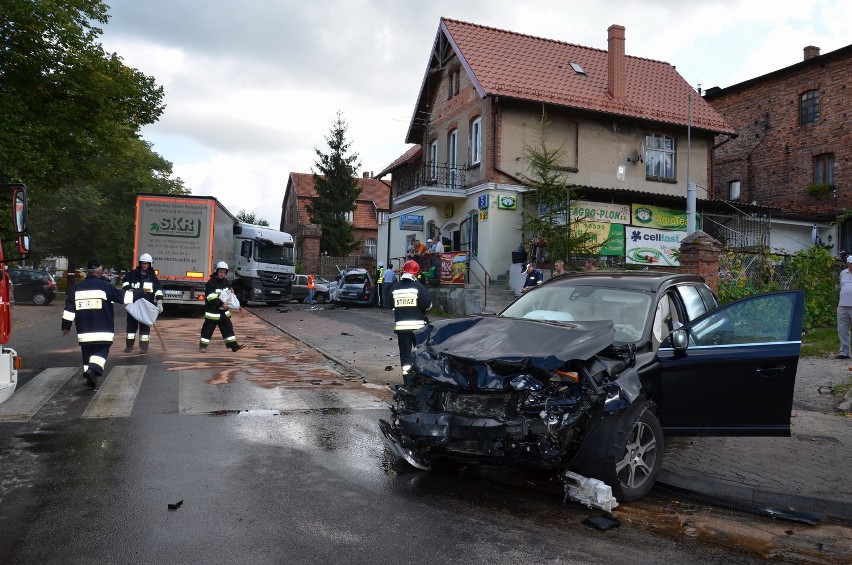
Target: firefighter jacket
{"x": 89, "y": 307}
{"x": 147, "y": 282}
{"x": 212, "y": 303}
{"x": 410, "y": 303}
{"x": 380, "y": 275}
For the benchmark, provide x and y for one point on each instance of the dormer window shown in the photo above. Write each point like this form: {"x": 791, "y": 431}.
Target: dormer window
{"x": 577, "y": 68}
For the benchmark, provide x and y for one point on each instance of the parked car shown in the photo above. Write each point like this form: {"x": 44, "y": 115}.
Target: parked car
{"x": 356, "y": 286}
{"x": 322, "y": 288}
{"x": 29, "y": 285}
{"x": 589, "y": 371}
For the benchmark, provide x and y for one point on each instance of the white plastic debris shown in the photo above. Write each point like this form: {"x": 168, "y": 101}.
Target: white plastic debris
{"x": 591, "y": 492}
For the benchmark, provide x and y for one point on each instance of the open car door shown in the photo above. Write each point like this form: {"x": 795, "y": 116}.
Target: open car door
{"x": 732, "y": 371}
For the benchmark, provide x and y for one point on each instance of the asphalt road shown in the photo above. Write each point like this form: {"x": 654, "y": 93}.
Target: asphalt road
{"x": 273, "y": 455}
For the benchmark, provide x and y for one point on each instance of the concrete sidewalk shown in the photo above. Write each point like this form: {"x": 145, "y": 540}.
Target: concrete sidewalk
{"x": 808, "y": 472}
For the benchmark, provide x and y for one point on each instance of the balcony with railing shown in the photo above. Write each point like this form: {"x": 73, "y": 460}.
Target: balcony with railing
{"x": 430, "y": 185}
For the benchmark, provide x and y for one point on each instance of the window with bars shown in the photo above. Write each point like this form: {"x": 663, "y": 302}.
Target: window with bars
{"x": 809, "y": 107}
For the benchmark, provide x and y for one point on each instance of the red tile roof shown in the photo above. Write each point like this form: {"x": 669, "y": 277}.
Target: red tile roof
{"x": 411, "y": 154}
{"x": 509, "y": 64}
{"x": 375, "y": 195}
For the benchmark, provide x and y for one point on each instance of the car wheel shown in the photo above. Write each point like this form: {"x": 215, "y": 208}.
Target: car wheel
{"x": 625, "y": 451}
{"x": 39, "y": 299}
{"x": 320, "y": 299}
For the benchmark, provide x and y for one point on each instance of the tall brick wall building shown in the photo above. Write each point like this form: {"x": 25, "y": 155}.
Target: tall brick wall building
{"x": 794, "y": 130}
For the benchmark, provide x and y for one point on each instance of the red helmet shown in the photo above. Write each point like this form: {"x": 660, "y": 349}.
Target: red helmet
{"x": 411, "y": 268}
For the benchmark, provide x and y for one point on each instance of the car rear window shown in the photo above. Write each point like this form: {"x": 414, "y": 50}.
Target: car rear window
{"x": 354, "y": 278}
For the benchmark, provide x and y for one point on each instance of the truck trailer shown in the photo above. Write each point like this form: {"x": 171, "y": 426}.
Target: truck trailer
{"x": 187, "y": 235}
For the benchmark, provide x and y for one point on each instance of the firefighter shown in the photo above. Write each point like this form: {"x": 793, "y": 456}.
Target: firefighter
{"x": 142, "y": 278}
{"x": 216, "y": 312}
{"x": 89, "y": 306}
{"x": 410, "y": 301}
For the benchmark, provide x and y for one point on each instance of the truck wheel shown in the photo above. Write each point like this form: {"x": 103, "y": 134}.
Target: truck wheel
{"x": 624, "y": 450}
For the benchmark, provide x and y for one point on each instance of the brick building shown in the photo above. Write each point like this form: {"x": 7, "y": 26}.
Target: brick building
{"x": 371, "y": 208}
{"x": 633, "y": 134}
{"x": 792, "y": 151}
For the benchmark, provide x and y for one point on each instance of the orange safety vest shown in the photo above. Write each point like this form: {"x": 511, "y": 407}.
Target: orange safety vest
{"x": 311, "y": 281}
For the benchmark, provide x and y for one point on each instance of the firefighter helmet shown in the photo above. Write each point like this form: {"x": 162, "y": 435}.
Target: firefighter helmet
{"x": 221, "y": 265}
{"x": 145, "y": 258}
{"x": 411, "y": 268}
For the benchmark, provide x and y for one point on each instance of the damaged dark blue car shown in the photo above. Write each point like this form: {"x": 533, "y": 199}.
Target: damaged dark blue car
{"x": 588, "y": 373}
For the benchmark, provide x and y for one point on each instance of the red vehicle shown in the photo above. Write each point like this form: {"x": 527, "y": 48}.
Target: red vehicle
{"x": 15, "y": 247}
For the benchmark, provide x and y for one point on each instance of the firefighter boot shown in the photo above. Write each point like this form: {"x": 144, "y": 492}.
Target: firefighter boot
{"x": 91, "y": 378}
{"x": 143, "y": 347}
{"x": 128, "y": 346}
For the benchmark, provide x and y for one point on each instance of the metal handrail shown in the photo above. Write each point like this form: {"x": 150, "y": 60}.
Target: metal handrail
{"x": 439, "y": 176}
{"x": 471, "y": 257}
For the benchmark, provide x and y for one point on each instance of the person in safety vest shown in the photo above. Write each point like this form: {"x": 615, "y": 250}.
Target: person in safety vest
{"x": 312, "y": 285}
{"x": 411, "y": 301}
{"x": 380, "y": 279}
{"x": 89, "y": 306}
{"x": 142, "y": 277}
{"x": 216, "y": 312}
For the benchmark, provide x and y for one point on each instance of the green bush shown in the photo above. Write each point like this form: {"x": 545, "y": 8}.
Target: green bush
{"x": 815, "y": 270}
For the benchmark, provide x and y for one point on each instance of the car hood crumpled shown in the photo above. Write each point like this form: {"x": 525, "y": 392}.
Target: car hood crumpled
{"x": 485, "y": 353}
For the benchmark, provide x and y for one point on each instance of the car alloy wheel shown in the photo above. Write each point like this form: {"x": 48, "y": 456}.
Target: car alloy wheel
{"x": 39, "y": 299}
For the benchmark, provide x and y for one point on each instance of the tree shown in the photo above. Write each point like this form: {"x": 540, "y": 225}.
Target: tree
{"x": 70, "y": 117}
{"x": 547, "y": 217}
{"x": 251, "y": 218}
{"x": 337, "y": 192}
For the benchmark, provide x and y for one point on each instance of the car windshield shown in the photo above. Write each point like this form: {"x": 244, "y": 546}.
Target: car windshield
{"x": 275, "y": 254}
{"x": 627, "y": 309}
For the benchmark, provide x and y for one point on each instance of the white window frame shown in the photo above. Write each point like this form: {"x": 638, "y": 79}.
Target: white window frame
{"x": 476, "y": 141}
{"x": 734, "y": 190}
{"x": 660, "y": 156}
{"x": 370, "y": 245}
{"x": 433, "y": 160}
{"x": 349, "y": 216}
{"x": 452, "y": 156}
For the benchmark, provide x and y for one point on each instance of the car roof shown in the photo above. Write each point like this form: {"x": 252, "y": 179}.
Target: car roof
{"x": 637, "y": 280}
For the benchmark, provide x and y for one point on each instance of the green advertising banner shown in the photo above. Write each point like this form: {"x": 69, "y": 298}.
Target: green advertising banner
{"x": 609, "y": 236}
{"x": 656, "y": 217}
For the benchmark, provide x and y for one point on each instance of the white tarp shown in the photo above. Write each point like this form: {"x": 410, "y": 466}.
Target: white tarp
{"x": 230, "y": 299}
{"x": 143, "y": 311}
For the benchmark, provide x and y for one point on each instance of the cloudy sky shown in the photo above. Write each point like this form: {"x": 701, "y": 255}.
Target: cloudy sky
{"x": 252, "y": 86}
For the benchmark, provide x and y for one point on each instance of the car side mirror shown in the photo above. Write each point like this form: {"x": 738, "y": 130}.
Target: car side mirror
{"x": 680, "y": 339}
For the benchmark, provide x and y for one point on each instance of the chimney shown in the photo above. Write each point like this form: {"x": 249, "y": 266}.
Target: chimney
{"x": 616, "y": 73}
{"x": 811, "y": 52}
{"x": 365, "y": 175}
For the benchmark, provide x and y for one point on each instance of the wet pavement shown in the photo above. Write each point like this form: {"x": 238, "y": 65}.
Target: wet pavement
{"x": 808, "y": 472}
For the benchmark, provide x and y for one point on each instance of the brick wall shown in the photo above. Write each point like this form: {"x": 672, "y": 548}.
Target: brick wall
{"x": 773, "y": 155}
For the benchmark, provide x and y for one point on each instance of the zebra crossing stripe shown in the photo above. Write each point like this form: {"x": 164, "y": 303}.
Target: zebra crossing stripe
{"x": 27, "y": 400}
{"x": 196, "y": 396}
{"x": 115, "y": 397}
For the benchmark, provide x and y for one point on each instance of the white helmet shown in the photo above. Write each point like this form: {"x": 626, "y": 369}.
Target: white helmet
{"x": 221, "y": 265}
{"x": 145, "y": 258}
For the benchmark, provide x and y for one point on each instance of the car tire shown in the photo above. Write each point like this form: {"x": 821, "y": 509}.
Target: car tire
{"x": 320, "y": 299}
{"x": 624, "y": 450}
{"x": 40, "y": 299}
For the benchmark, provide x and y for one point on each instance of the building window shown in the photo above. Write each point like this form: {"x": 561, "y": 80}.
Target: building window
{"x": 476, "y": 141}
{"x": 370, "y": 247}
{"x": 453, "y": 87}
{"x": 659, "y": 157}
{"x": 349, "y": 216}
{"x": 734, "y": 190}
{"x": 824, "y": 168}
{"x": 452, "y": 157}
{"x": 433, "y": 160}
{"x": 382, "y": 218}
{"x": 809, "y": 107}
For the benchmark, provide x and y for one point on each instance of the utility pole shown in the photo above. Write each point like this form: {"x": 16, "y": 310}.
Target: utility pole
{"x": 690, "y": 186}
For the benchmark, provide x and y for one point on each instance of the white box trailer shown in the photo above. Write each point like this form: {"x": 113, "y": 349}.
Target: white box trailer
{"x": 187, "y": 235}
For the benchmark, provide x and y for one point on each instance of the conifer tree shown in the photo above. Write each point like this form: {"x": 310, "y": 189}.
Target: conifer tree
{"x": 337, "y": 189}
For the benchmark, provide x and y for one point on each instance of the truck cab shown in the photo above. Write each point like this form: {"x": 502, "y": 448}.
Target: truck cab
{"x": 265, "y": 264}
